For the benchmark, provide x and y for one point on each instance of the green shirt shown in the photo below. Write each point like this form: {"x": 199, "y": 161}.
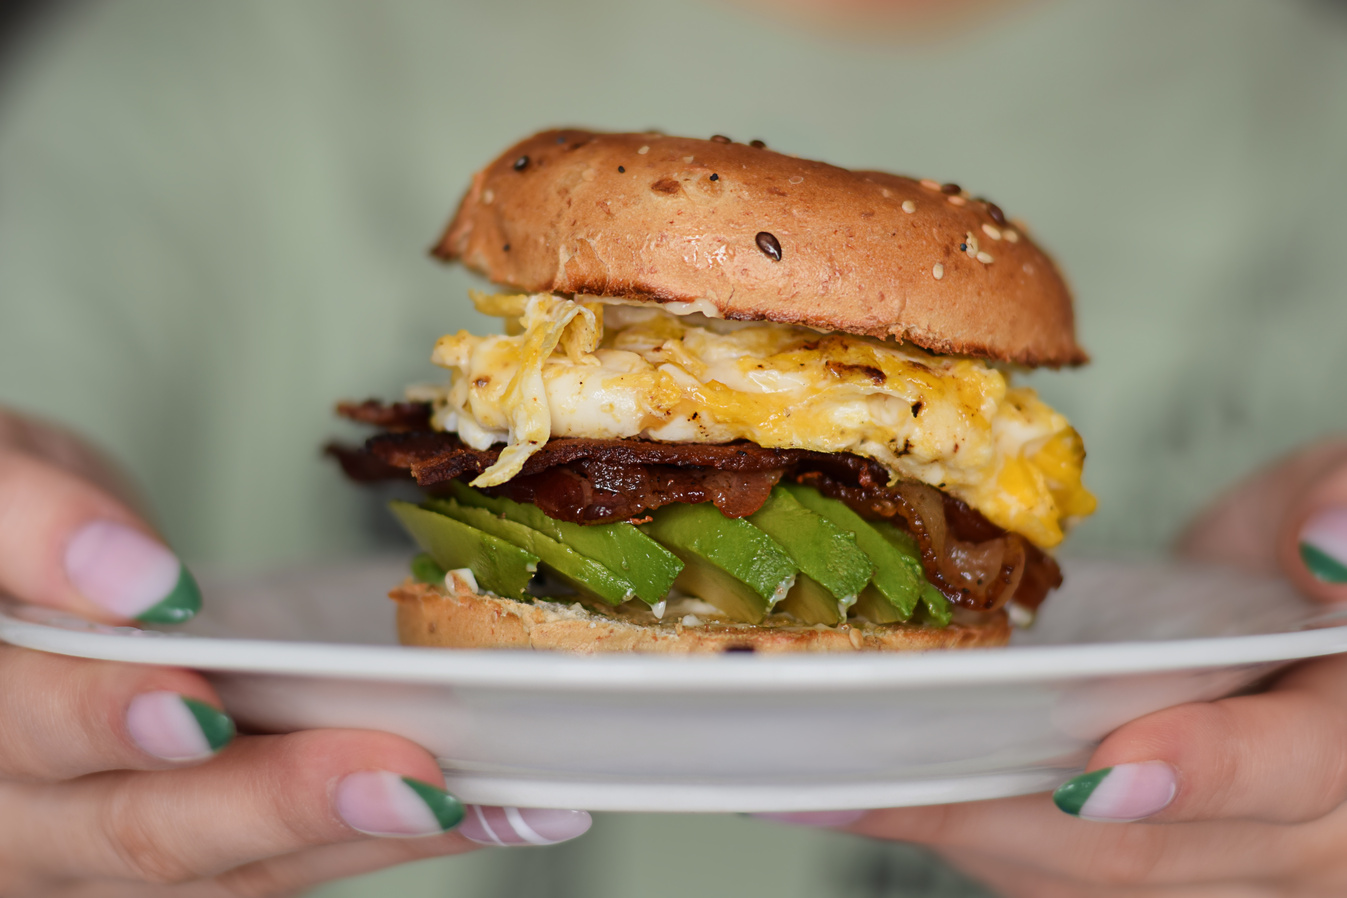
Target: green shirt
{"x": 214, "y": 217}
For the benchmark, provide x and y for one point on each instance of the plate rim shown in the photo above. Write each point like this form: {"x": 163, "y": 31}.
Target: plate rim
{"x": 541, "y": 671}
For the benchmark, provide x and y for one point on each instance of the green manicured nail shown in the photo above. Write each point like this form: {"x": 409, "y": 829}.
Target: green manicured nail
{"x": 447, "y": 809}
{"x": 179, "y": 606}
{"x": 216, "y": 725}
{"x": 1323, "y": 544}
{"x": 1072, "y": 794}
{"x": 1120, "y": 793}
{"x": 1322, "y": 565}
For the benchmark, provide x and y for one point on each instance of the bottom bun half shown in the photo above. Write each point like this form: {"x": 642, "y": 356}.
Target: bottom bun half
{"x": 457, "y": 617}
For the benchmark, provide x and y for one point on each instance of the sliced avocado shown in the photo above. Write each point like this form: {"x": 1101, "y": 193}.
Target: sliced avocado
{"x": 426, "y": 570}
{"x": 934, "y": 608}
{"x": 897, "y": 574}
{"x": 810, "y": 603}
{"x": 727, "y": 561}
{"x": 824, "y": 552}
{"x": 499, "y": 566}
{"x": 588, "y": 577}
{"x": 620, "y": 547}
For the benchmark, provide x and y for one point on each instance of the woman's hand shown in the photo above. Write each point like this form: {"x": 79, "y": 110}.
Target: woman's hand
{"x": 1239, "y": 797}
{"x": 118, "y": 779}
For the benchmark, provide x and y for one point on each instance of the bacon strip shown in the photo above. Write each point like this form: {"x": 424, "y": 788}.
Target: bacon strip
{"x": 974, "y": 563}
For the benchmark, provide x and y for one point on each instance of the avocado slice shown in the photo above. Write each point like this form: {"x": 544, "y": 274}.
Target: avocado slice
{"x": 810, "y": 602}
{"x": 426, "y": 570}
{"x": 499, "y": 566}
{"x": 934, "y": 608}
{"x": 726, "y": 561}
{"x": 827, "y": 556}
{"x": 588, "y": 577}
{"x": 898, "y": 577}
{"x": 620, "y": 547}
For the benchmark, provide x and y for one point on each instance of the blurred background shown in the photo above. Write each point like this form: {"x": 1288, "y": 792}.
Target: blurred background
{"x": 214, "y": 221}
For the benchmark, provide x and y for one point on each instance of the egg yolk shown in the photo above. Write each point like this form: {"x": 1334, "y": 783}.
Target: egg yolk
{"x": 585, "y": 368}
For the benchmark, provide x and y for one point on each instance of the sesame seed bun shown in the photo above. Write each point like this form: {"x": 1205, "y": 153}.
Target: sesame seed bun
{"x": 460, "y": 618}
{"x": 764, "y": 236}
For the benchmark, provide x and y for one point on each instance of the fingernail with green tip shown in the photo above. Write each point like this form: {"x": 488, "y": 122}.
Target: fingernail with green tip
{"x": 130, "y": 573}
{"x": 179, "y": 606}
{"x": 177, "y": 728}
{"x": 1119, "y": 794}
{"x": 1323, "y": 545}
{"x": 381, "y": 803}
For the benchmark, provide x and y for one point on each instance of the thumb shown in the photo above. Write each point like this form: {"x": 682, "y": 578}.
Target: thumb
{"x": 68, "y": 544}
{"x": 1289, "y": 518}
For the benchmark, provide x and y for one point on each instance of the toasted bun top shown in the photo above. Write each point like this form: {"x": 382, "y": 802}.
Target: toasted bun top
{"x": 764, "y": 236}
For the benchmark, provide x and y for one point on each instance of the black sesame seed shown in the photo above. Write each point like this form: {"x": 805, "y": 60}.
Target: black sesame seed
{"x": 996, "y": 214}
{"x": 720, "y": 138}
{"x": 950, "y": 188}
{"x": 963, "y": 247}
{"x": 769, "y": 245}
{"x": 715, "y": 177}
{"x": 757, "y": 144}
{"x": 561, "y": 138}
{"x": 621, "y": 169}
{"x": 506, "y": 247}
{"x": 521, "y": 163}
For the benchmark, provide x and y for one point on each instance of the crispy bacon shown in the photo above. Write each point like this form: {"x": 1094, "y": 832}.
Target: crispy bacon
{"x": 973, "y": 562}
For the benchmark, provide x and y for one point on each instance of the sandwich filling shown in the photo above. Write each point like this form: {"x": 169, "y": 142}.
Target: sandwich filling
{"x": 599, "y": 370}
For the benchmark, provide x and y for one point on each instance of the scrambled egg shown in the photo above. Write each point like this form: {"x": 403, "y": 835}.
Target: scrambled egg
{"x": 603, "y": 370}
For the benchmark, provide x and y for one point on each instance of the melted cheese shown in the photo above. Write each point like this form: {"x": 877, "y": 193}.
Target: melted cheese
{"x": 588, "y": 369}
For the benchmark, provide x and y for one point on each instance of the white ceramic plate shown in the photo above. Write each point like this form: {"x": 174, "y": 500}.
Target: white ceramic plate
{"x": 302, "y": 649}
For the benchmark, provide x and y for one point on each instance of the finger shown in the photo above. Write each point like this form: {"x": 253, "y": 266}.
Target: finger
{"x": 263, "y": 797}
{"x": 305, "y": 869}
{"x": 1313, "y": 541}
{"x": 68, "y": 717}
{"x": 1030, "y": 831}
{"x": 1276, "y": 757}
{"x": 68, "y": 544}
{"x": 1013, "y": 880}
{"x": 66, "y": 450}
{"x": 1248, "y": 526}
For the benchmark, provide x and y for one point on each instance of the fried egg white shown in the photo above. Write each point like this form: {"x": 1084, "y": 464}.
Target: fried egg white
{"x": 586, "y": 368}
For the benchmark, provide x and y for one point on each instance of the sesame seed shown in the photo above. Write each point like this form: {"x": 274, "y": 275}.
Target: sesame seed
{"x": 488, "y": 196}
{"x": 996, "y": 214}
{"x": 909, "y": 207}
{"x": 688, "y": 158}
{"x": 969, "y": 245}
{"x": 1010, "y": 236}
{"x": 938, "y": 271}
{"x": 757, "y": 144}
{"x": 521, "y": 163}
{"x": 951, "y": 188}
{"x": 884, "y": 192}
{"x": 985, "y": 258}
{"x": 957, "y": 200}
{"x": 715, "y": 177}
{"x": 796, "y": 180}
{"x": 642, "y": 151}
{"x": 720, "y": 138}
{"x": 929, "y": 184}
{"x": 621, "y": 169}
{"x": 506, "y": 247}
{"x": 991, "y": 231}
